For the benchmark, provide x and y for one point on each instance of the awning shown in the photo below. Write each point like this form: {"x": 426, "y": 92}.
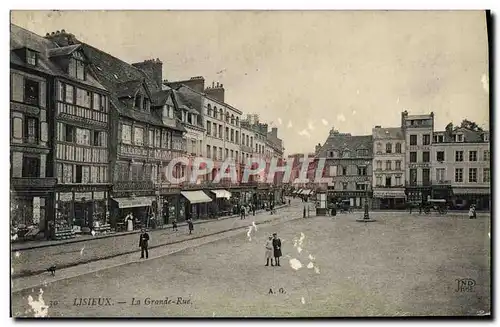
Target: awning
{"x": 142, "y": 201}
{"x": 221, "y": 194}
{"x": 306, "y": 192}
{"x": 471, "y": 190}
{"x": 300, "y": 191}
{"x": 383, "y": 194}
{"x": 196, "y": 196}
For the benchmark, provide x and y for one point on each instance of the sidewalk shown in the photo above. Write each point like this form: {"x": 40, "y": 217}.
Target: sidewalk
{"x": 29, "y": 245}
{"x": 35, "y": 261}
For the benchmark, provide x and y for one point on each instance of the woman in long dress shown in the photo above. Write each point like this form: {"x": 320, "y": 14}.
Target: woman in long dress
{"x": 277, "y": 249}
{"x": 269, "y": 251}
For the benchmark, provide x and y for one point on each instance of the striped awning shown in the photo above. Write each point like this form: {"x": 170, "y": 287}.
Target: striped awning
{"x": 196, "y": 196}
{"x": 221, "y": 194}
{"x": 300, "y": 191}
{"x": 143, "y": 201}
{"x": 307, "y": 192}
{"x": 471, "y": 190}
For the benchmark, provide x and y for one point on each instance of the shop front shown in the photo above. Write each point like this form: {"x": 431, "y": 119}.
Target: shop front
{"x": 196, "y": 204}
{"x": 356, "y": 199}
{"x": 169, "y": 202}
{"x": 221, "y": 203}
{"x": 139, "y": 209}
{"x": 81, "y": 213}
{"x": 463, "y": 198}
{"x": 392, "y": 199}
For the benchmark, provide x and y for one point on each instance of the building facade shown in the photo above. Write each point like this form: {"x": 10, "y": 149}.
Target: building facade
{"x": 349, "y": 165}
{"x": 388, "y": 168}
{"x": 32, "y": 180}
{"x": 461, "y": 158}
{"x": 418, "y": 132}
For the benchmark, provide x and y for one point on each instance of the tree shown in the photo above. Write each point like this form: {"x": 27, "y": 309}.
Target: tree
{"x": 470, "y": 125}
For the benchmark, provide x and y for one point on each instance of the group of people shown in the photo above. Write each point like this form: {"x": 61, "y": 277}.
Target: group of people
{"x": 472, "y": 212}
{"x": 273, "y": 249}
{"x": 246, "y": 209}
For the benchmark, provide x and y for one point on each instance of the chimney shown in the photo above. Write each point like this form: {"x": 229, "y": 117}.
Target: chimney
{"x": 317, "y": 148}
{"x": 153, "y": 69}
{"x": 216, "y": 92}
{"x": 378, "y": 126}
{"x": 274, "y": 132}
{"x": 62, "y": 38}
{"x": 404, "y": 114}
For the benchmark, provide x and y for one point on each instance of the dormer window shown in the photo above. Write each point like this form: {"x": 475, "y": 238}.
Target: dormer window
{"x": 31, "y": 57}
{"x": 486, "y": 137}
{"x": 76, "y": 66}
{"x": 145, "y": 104}
{"x": 138, "y": 101}
{"x": 346, "y": 154}
{"x": 459, "y": 138}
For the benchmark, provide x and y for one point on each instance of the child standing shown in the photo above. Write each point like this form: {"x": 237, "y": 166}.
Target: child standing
{"x": 174, "y": 224}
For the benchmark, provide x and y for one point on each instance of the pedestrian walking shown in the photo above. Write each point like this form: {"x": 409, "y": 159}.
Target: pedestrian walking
{"x": 253, "y": 209}
{"x": 288, "y": 202}
{"x": 190, "y": 225}
{"x": 474, "y": 211}
{"x": 277, "y": 249}
{"x": 269, "y": 251}
{"x": 143, "y": 243}
{"x": 174, "y": 225}
{"x": 243, "y": 212}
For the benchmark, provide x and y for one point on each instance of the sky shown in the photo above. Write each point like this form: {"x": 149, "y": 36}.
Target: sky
{"x": 306, "y": 72}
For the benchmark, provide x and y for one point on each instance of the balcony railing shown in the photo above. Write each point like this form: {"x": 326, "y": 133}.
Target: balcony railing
{"x": 442, "y": 182}
{"x": 33, "y": 182}
{"x": 390, "y": 186}
{"x": 418, "y": 183}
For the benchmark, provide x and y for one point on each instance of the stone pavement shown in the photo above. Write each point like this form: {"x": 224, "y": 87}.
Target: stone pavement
{"x": 36, "y": 260}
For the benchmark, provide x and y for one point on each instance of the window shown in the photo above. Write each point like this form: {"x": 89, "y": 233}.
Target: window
{"x": 232, "y": 119}
{"x": 343, "y": 170}
{"x": 379, "y": 181}
{"x": 486, "y": 155}
{"x": 459, "y": 138}
{"x": 388, "y": 165}
{"x": 413, "y": 156}
{"x": 76, "y": 69}
{"x": 413, "y": 176}
{"x": 388, "y": 181}
{"x": 31, "y": 166}
{"x": 209, "y": 127}
{"x": 440, "y": 156}
{"x": 413, "y": 139}
{"x": 227, "y": 133}
{"x": 82, "y": 136}
{"x": 209, "y": 110}
{"x": 398, "y": 147}
{"x": 248, "y": 141}
{"x": 388, "y": 148}
{"x": 31, "y": 92}
{"x": 459, "y": 175}
{"x": 220, "y": 152}
{"x": 227, "y": 117}
{"x": 344, "y": 185}
{"x": 78, "y": 173}
{"x": 69, "y": 93}
{"x": 83, "y": 98}
{"x": 138, "y": 101}
{"x": 440, "y": 174}
{"x": 126, "y": 134}
{"x": 472, "y": 175}
{"x": 70, "y": 134}
{"x": 362, "y": 153}
{"x": 379, "y": 147}
{"x": 151, "y": 137}
{"x": 426, "y": 139}
{"x": 31, "y": 130}
{"x": 237, "y": 121}
{"x": 232, "y": 135}
{"x": 459, "y": 156}
{"x": 221, "y": 114}
{"x": 209, "y": 148}
{"x": 232, "y": 154}
{"x": 486, "y": 175}
{"x": 145, "y": 105}
{"x": 137, "y": 172}
{"x": 99, "y": 139}
{"x": 237, "y": 138}
{"x": 31, "y": 57}
{"x": 426, "y": 176}
{"x": 398, "y": 181}
{"x": 426, "y": 156}
{"x": 362, "y": 171}
{"x": 220, "y": 131}
{"x": 226, "y": 153}
{"x": 379, "y": 165}
{"x": 361, "y": 187}
{"x": 398, "y": 165}
{"x": 472, "y": 155}
{"x": 486, "y": 137}
{"x": 157, "y": 138}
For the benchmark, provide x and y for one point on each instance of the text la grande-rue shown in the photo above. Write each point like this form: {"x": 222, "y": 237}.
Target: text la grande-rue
{"x": 166, "y": 301}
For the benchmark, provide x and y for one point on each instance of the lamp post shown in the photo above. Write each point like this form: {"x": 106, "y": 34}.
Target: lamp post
{"x": 366, "y": 216}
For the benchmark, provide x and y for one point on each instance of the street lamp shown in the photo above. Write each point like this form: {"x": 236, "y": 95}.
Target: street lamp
{"x": 366, "y": 217}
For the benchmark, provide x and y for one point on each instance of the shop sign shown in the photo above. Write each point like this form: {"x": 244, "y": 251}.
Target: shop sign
{"x": 66, "y": 196}
{"x": 98, "y": 195}
{"x": 388, "y": 194}
{"x": 81, "y": 196}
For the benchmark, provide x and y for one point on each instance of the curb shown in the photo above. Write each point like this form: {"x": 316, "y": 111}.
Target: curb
{"x": 56, "y": 243}
{"x": 73, "y": 264}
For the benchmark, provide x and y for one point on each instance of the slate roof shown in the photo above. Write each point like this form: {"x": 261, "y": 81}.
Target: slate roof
{"x": 469, "y": 135}
{"x": 388, "y": 133}
{"x": 63, "y": 51}
{"x": 346, "y": 142}
{"x": 21, "y": 38}
{"x": 121, "y": 79}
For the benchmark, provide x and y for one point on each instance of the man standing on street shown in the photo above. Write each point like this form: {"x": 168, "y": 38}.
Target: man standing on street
{"x": 143, "y": 243}
{"x": 277, "y": 249}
